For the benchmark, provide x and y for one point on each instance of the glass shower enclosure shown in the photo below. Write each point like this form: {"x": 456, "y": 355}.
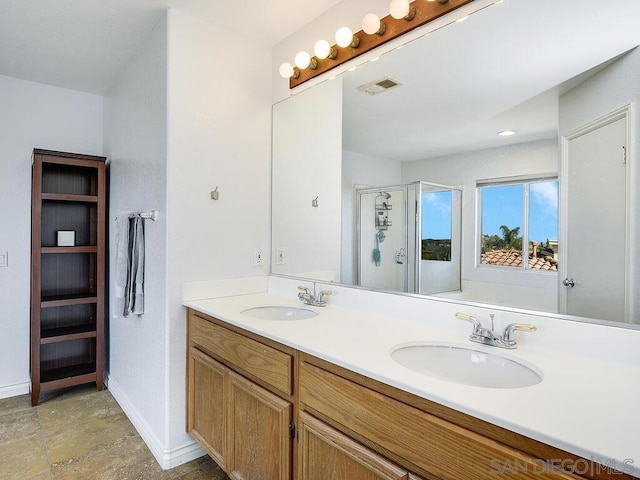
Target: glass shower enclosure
{"x": 409, "y": 237}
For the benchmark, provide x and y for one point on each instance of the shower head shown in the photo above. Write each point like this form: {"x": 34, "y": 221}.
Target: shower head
{"x": 387, "y": 195}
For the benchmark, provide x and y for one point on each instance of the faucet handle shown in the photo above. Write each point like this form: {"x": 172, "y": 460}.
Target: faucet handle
{"x": 507, "y": 336}
{"x": 477, "y": 326}
{"x": 303, "y": 289}
{"x": 468, "y": 318}
{"x": 323, "y": 293}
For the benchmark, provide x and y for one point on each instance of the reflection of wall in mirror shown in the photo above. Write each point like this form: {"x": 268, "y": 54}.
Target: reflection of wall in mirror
{"x": 612, "y": 88}
{"x": 303, "y": 169}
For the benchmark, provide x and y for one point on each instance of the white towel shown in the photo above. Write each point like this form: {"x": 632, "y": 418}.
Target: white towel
{"x": 129, "y": 266}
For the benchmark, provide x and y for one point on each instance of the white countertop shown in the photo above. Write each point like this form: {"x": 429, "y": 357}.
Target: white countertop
{"x": 590, "y": 408}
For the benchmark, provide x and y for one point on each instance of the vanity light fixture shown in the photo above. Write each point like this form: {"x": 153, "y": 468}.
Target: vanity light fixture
{"x": 304, "y": 60}
{"x": 399, "y": 9}
{"x": 287, "y": 70}
{"x": 375, "y": 32}
{"x": 371, "y": 25}
{"x": 345, "y": 38}
{"x": 323, "y": 50}
{"x": 507, "y": 133}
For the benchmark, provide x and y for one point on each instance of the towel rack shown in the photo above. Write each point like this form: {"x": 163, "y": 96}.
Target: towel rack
{"x": 152, "y": 215}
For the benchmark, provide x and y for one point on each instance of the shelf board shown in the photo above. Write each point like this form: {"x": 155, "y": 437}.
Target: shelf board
{"x": 64, "y": 334}
{"x": 62, "y": 300}
{"x": 67, "y": 376}
{"x": 76, "y": 249}
{"x": 66, "y": 197}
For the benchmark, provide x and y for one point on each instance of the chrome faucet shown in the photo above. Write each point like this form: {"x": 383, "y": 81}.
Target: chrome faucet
{"x": 308, "y": 298}
{"x": 488, "y": 336}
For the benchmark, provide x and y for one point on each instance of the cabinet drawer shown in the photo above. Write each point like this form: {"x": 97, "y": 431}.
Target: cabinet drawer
{"x": 428, "y": 442}
{"x": 262, "y": 361}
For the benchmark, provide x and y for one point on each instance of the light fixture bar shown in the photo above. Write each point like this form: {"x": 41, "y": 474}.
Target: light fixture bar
{"x": 425, "y": 12}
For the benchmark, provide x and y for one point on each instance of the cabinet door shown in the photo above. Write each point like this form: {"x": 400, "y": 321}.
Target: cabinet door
{"x": 260, "y": 445}
{"x": 207, "y": 408}
{"x": 326, "y": 453}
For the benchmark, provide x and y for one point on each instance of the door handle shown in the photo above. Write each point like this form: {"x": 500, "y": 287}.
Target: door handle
{"x": 569, "y": 282}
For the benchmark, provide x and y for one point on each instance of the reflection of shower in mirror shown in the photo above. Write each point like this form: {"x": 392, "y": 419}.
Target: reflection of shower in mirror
{"x": 407, "y": 262}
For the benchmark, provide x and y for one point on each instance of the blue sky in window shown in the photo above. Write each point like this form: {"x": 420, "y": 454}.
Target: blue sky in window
{"x": 543, "y": 211}
{"x": 503, "y": 205}
{"x": 436, "y": 215}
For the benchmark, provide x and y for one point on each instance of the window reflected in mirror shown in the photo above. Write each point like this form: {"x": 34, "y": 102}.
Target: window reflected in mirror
{"x": 519, "y": 220}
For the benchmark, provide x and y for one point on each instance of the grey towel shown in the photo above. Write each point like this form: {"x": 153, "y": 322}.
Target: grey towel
{"x": 134, "y": 292}
{"x": 129, "y": 266}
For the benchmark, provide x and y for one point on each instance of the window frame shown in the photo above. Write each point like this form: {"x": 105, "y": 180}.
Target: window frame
{"x": 525, "y": 181}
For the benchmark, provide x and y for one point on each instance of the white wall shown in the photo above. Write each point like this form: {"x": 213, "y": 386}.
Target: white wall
{"x": 536, "y": 290}
{"x": 32, "y": 115}
{"x": 219, "y": 134}
{"x": 135, "y": 144}
{"x": 612, "y": 88}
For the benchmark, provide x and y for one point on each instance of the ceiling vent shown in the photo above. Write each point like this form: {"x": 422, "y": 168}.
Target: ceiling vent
{"x": 379, "y": 86}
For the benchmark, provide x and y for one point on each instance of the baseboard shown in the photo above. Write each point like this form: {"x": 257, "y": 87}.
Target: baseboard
{"x": 166, "y": 457}
{"x": 15, "y": 389}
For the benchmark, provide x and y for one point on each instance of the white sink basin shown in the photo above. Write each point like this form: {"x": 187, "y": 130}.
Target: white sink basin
{"x": 464, "y": 365}
{"x": 277, "y": 312}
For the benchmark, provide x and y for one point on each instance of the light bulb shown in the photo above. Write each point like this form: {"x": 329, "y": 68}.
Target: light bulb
{"x": 303, "y": 59}
{"x": 344, "y": 37}
{"x": 399, "y": 8}
{"x": 371, "y": 24}
{"x": 322, "y": 49}
{"x": 286, "y": 70}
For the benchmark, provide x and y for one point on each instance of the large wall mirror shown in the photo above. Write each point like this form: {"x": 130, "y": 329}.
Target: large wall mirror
{"x": 401, "y": 175}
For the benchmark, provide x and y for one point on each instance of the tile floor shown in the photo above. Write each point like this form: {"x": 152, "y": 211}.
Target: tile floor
{"x": 81, "y": 434}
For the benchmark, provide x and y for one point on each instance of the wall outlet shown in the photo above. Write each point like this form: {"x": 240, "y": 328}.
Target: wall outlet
{"x": 4, "y": 259}
{"x": 258, "y": 257}
{"x": 280, "y": 256}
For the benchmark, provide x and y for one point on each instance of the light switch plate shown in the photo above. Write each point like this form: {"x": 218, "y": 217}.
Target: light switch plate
{"x": 4, "y": 259}
{"x": 280, "y": 256}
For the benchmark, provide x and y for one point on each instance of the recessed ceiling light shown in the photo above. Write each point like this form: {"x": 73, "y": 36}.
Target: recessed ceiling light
{"x": 507, "y": 133}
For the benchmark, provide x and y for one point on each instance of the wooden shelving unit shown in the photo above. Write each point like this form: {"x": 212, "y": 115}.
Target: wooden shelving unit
{"x": 67, "y": 282}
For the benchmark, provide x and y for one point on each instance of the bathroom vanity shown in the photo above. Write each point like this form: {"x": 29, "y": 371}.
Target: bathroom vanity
{"x": 309, "y": 398}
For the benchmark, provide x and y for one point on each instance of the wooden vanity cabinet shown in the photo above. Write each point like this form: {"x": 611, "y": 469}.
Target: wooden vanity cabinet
{"x": 425, "y": 438}
{"x": 207, "y": 413}
{"x": 245, "y": 391}
{"x": 327, "y": 453}
{"x": 239, "y": 404}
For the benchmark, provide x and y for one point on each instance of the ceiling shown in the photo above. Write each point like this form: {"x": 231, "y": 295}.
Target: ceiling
{"x": 84, "y": 44}
{"x": 502, "y": 68}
